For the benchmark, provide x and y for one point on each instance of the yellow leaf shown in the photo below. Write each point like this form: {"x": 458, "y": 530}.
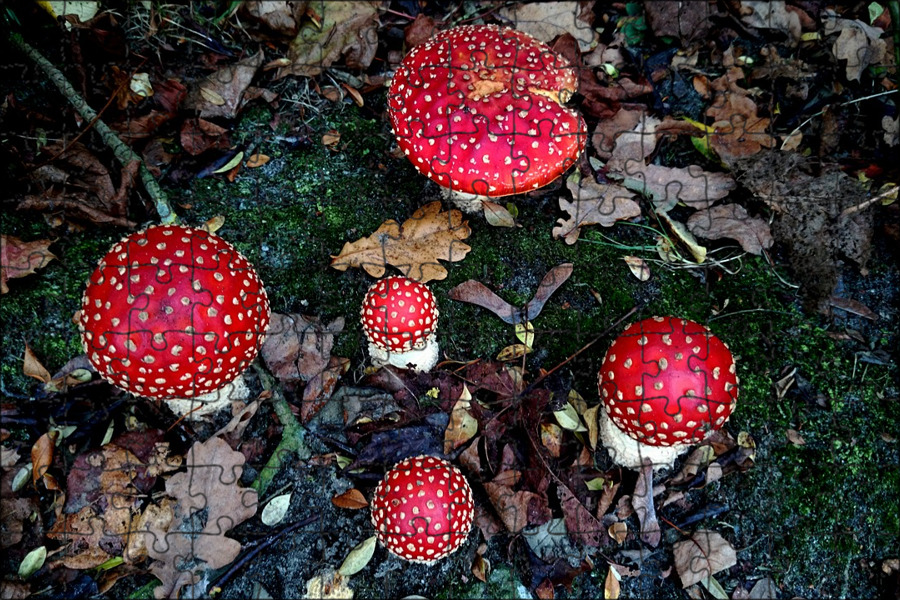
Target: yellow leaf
{"x": 257, "y": 160}
{"x": 525, "y": 333}
{"x": 568, "y": 418}
{"x": 235, "y": 161}
{"x": 214, "y": 224}
{"x": 513, "y": 352}
{"x": 212, "y": 96}
{"x": 611, "y": 588}
{"x": 685, "y": 236}
{"x": 462, "y": 426}
{"x": 590, "y": 418}
{"x": 33, "y": 367}
{"x": 359, "y": 557}
{"x": 551, "y": 438}
{"x": 414, "y": 248}
{"x": 638, "y": 267}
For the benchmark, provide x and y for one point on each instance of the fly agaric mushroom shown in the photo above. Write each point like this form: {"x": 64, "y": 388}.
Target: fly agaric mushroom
{"x": 422, "y": 510}
{"x": 174, "y": 313}
{"x": 666, "y": 383}
{"x": 479, "y": 109}
{"x": 399, "y": 317}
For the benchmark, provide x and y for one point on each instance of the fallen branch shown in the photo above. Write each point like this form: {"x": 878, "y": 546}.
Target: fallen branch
{"x": 292, "y": 436}
{"x": 123, "y": 153}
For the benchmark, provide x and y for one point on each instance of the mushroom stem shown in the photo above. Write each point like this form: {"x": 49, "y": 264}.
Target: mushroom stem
{"x": 420, "y": 360}
{"x": 195, "y": 409}
{"x": 628, "y": 452}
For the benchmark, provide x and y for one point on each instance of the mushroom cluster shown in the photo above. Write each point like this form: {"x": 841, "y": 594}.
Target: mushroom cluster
{"x": 665, "y": 383}
{"x": 480, "y": 110}
{"x": 399, "y": 317}
{"x": 422, "y": 510}
{"x": 173, "y": 312}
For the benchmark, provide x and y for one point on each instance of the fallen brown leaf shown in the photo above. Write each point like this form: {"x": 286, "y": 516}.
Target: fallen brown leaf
{"x": 352, "y": 499}
{"x": 594, "y": 204}
{"x": 414, "y": 248}
{"x": 345, "y": 30}
{"x": 732, "y": 221}
{"x": 18, "y": 258}
{"x": 702, "y": 555}
{"x": 211, "y": 486}
{"x": 221, "y": 94}
{"x": 462, "y": 426}
{"x": 32, "y": 367}
{"x": 548, "y": 20}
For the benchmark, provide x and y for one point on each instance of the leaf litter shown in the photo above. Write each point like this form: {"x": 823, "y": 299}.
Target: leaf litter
{"x": 486, "y": 412}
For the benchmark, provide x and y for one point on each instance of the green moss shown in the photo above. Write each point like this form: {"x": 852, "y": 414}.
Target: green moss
{"x": 39, "y": 307}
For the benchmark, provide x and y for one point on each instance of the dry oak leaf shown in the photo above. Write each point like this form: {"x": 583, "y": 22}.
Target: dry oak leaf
{"x": 701, "y": 556}
{"x": 732, "y": 221}
{"x": 191, "y": 545}
{"x": 414, "y": 248}
{"x": 18, "y": 258}
{"x": 594, "y": 204}
{"x": 345, "y": 29}
{"x": 548, "y": 20}
{"x": 221, "y": 94}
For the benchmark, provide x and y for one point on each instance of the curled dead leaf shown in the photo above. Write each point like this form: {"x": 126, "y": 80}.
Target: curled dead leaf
{"x": 32, "y": 367}
{"x": 638, "y": 267}
{"x": 18, "y": 258}
{"x": 352, "y": 499}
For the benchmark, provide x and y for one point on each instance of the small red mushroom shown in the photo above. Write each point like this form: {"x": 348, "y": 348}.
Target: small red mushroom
{"x": 479, "y": 109}
{"x": 423, "y": 510}
{"x": 399, "y": 317}
{"x": 666, "y": 383}
{"x": 173, "y": 312}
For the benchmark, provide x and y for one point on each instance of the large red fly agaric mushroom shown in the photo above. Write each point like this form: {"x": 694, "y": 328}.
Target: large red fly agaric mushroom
{"x": 665, "y": 383}
{"x": 479, "y": 109}
{"x": 173, "y": 312}
{"x": 399, "y": 317}
{"x": 423, "y": 510}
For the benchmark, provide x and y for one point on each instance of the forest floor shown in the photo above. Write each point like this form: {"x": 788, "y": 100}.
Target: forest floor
{"x": 801, "y": 487}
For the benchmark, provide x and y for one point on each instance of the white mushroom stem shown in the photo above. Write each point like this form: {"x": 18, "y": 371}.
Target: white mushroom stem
{"x": 628, "y": 452}
{"x": 201, "y": 407}
{"x": 468, "y": 203}
{"x": 421, "y": 360}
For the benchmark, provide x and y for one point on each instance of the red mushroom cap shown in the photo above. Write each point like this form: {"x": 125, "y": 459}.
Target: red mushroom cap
{"x": 667, "y": 381}
{"x": 478, "y": 109}
{"x": 173, "y": 312}
{"x": 422, "y": 510}
{"x": 399, "y": 314}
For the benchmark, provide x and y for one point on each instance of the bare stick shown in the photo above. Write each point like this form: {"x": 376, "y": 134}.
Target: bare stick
{"x": 123, "y": 153}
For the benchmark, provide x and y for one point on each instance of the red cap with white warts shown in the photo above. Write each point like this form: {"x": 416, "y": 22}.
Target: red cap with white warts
{"x": 399, "y": 314}
{"x": 479, "y": 110}
{"x": 423, "y": 510}
{"x": 667, "y": 381}
{"x": 173, "y": 312}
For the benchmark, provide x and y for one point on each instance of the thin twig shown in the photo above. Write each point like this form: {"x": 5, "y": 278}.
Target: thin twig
{"x": 602, "y": 334}
{"x": 239, "y": 564}
{"x": 821, "y": 112}
{"x": 863, "y": 205}
{"x": 123, "y": 153}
